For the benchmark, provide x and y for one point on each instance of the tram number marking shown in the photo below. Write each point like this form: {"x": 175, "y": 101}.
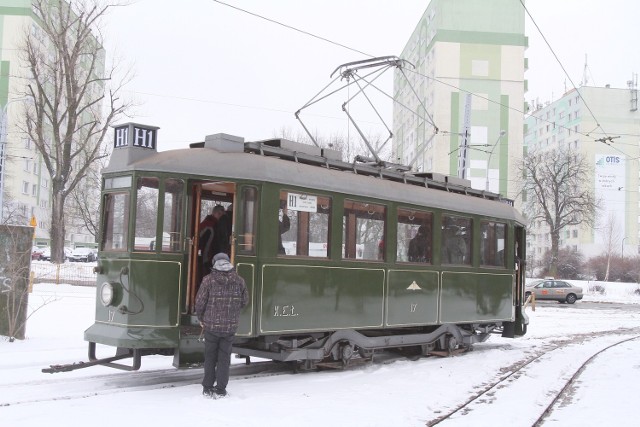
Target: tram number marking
{"x": 413, "y": 307}
{"x": 112, "y": 314}
{"x": 284, "y": 311}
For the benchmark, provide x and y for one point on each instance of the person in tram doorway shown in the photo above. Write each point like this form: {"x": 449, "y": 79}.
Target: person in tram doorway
{"x": 284, "y": 224}
{"x": 206, "y": 237}
{"x": 222, "y": 232}
{"x": 219, "y": 300}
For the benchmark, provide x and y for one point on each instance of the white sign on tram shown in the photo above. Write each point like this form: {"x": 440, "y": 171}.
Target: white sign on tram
{"x": 302, "y": 202}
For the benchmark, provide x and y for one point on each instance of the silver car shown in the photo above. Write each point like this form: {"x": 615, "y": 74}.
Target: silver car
{"x": 557, "y": 290}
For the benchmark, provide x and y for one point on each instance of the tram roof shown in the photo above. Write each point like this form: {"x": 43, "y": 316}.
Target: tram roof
{"x": 263, "y": 162}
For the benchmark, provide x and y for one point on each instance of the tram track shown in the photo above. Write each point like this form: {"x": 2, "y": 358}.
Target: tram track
{"x": 525, "y": 368}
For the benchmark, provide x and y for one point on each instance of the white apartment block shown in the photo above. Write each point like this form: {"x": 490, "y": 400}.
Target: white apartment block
{"x": 603, "y": 124}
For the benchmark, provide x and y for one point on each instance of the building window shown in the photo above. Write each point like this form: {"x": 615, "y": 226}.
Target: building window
{"x": 575, "y": 233}
{"x": 44, "y": 182}
{"x": 25, "y": 187}
{"x": 34, "y": 190}
{"x": 27, "y": 165}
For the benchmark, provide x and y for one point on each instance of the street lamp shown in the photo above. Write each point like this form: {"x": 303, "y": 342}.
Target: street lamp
{"x": 3, "y": 144}
{"x": 502, "y": 133}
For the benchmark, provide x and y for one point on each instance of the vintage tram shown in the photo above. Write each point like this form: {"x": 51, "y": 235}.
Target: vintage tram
{"x": 374, "y": 256}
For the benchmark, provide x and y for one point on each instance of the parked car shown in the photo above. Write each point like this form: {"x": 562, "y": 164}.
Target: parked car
{"x": 36, "y": 252}
{"x": 46, "y": 254}
{"x": 83, "y": 255}
{"x": 557, "y": 290}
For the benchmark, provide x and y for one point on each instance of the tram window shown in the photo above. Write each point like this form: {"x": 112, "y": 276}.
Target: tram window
{"x": 146, "y": 214}
{"x": 363, "y": 228}
{"x": 415, "y": 234}
{"x": 492, "y": 247}
{"x": 456, "y": 240}
{"x": 304, "y": 224}
{"x": 115, "y": 229}
{"x": 248, "y": 225}
{"x": 172, "y": 218}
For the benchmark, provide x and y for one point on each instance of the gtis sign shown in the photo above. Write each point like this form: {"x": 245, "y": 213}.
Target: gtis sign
{"x": 608, "y": 161}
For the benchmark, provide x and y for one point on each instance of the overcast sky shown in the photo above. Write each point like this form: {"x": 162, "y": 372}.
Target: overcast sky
{"x": 202, "y": 67}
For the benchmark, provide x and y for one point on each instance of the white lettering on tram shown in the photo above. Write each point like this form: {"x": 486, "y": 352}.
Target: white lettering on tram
{"x": 284, "y": 311}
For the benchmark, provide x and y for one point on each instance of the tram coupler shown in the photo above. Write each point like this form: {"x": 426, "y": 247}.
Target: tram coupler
{"x": 121, "y": 353}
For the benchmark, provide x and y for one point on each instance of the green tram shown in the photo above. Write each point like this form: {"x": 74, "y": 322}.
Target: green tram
{"x": 347, "y": 277}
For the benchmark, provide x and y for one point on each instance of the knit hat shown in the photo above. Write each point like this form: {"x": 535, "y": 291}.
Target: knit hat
{"x": 220, "y": 256}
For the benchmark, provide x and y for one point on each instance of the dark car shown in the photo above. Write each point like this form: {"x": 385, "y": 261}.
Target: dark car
{"x": 46, "y": 254}
{"x": 555, "y": 290}
{"x": 83, "y": 255}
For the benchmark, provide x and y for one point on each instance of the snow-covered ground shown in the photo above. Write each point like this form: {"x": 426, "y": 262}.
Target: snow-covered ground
{"x": 402, "y": 393}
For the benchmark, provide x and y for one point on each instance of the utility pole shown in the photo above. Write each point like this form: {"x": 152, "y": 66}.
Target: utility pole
{"x": 463, "y": 154}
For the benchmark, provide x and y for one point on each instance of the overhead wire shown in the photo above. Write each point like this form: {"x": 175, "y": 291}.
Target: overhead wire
{"x": 292, "y": 28}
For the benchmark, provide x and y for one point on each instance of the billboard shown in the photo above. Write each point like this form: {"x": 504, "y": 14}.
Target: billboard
{"x": 610, "y": 182}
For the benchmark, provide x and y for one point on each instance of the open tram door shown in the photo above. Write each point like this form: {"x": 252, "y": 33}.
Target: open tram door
{"x": 211, "y": 230}
{"x": 518, "y": 327}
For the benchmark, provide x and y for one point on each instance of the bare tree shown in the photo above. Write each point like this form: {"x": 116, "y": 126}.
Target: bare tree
{"x": 74, "y": 100}
{"x": 85, "y": 202}
{"x": 554, "y": 185}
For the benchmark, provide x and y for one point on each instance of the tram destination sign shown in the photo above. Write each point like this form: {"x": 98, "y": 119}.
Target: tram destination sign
{"x": 134, "y": 136}
{"x": 302, "y": 202}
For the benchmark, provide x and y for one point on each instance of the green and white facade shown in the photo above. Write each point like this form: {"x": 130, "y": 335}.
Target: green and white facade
{"x": 26, "y": 187}
{"x": 459, "y": 48}
{"x": 580, "y": 120}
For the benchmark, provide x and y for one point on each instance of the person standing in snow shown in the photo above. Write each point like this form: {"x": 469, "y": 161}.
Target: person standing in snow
{"x": 219, "y": 300}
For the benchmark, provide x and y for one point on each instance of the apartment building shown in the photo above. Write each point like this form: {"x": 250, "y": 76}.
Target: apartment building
{"x": 469, "y": 80}
{"x": 602, "y": 124}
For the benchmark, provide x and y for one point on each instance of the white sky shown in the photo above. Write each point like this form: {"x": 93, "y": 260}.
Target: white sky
{"x": 203, "y": 68}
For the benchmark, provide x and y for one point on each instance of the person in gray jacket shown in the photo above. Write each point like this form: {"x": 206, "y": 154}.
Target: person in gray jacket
{"x": 219, "y": 301}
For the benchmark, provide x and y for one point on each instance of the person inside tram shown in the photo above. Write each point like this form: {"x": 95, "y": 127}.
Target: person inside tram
{"x": 284, "y": 224}
{"x": 418, "y": 245}
{"x": 206, "y": 236}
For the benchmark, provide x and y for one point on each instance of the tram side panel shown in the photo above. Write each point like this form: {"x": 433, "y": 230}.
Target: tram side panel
{"x": 412, "y": 298}
{"x": 476, "y": 297}
{"x": 320, "y": 298}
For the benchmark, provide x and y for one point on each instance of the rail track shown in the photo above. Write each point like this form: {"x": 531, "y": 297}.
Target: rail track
{"x": 517, "y": 378}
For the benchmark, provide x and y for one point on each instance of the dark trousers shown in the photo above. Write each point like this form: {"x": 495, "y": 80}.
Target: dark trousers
{"x": 217, "y": 358}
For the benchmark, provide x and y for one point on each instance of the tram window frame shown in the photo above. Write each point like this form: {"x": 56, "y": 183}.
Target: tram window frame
{"x": 247, "y": 223}
{"x": 114, "y": 216}
{"x": 456, "y": 229}
{"x": 309, "y": 229}
{"x": 490, "y": 253}
{"x": 146, "y": 220}
{"x": 372, "y": 247}
{"x": 413, "y": 224}
{"x": 173, "y": 214}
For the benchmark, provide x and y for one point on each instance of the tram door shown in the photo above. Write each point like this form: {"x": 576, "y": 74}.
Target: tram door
{"x": 211, "y": 230}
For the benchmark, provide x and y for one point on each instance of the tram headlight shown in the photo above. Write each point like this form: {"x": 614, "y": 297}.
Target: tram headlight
{"x": 107, "y": 294}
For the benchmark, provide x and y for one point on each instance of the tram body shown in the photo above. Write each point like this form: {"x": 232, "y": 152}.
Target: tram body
{"x": 344, "y": 285}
